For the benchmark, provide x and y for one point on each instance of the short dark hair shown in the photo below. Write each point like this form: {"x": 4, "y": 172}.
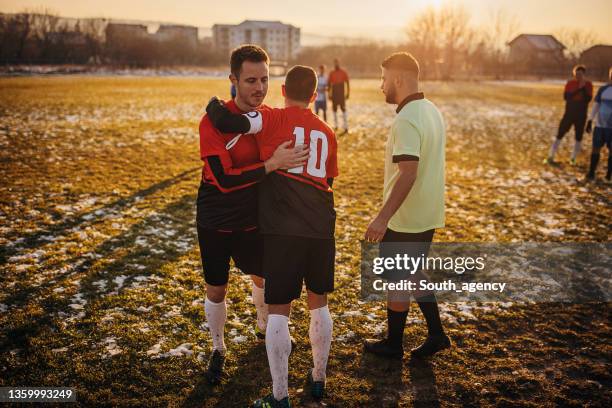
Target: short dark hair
{"x": 300, "y": 83}
{"x": 403, "y": 61}
{"x": 248, "y": 52}
{"x": 579, "y": 67}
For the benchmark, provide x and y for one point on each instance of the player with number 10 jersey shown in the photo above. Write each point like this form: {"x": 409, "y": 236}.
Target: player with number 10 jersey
{"x": 296, "y": 217}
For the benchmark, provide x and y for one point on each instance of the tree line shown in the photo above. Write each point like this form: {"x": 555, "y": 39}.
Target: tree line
{"x": 444, "y": 40}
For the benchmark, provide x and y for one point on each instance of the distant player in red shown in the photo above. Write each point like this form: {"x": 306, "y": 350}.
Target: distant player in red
{"x": 578, "y": 93}
{"x": 297, "y": 220}
{"x": 339, "y": 91}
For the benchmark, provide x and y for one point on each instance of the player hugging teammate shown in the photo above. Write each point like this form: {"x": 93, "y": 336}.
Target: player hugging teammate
{"x": 297, "y": 220}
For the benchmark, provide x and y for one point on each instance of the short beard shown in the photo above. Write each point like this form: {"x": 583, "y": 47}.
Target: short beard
{"x": 390, "y": 95}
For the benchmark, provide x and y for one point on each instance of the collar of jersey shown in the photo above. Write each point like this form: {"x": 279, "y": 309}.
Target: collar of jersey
{"x": 408, "y": 99}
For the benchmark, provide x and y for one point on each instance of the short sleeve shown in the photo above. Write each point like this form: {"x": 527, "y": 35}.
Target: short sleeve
{"x": 267, "y": 137}
{"x": 406, "y": 139}
{"x": 211, "y": 144}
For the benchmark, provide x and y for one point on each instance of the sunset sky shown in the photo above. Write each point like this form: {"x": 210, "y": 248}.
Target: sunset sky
{"x": 382, "y": 19}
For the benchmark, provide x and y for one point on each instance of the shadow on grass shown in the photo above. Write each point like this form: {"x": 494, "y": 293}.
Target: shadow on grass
{"x": 423, "y": 382}
{"x": 386, "y": 378}
{"x": 247, "y": 378}
{"x": 33, "y": 239}
{"x": 36, "y": 318}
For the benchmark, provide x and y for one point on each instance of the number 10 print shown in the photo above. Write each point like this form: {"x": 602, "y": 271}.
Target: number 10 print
{"x": 313, "y": 158}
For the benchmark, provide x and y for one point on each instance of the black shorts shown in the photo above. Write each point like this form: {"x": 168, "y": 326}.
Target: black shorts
{"x": 602, "y": 137}
{"x": 575, "y": 119}
{"x": 338, "y": 101}
{"x": 289, "y": 261}
{"x": 216, "y": 249}
{"x": 414, "y": 245}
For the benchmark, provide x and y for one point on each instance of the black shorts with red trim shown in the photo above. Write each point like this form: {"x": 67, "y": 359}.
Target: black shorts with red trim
{"x": 289, "y": 262}
{"x": 218, "y": 247}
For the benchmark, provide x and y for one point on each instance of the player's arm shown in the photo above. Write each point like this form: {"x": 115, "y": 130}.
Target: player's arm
{"x": 227, "y": 122}
{"x": 408, "y": 168}
{"x": 594, "y": 111}
{"x": 232, "y": 177}
{"x": 348, "y": 88}
{"x": 588, "y": 92}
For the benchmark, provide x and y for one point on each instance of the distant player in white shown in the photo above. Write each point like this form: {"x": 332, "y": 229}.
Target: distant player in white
{"x": 602, "y": 135}
{"x": 322, "y": 88}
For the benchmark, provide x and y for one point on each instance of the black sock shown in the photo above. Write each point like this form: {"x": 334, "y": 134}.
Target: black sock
{"x": 429, "y": 307}
{"x": 609, "y": 166}
{"x": 594, "y": 161}
{"x": 396, "y": 321}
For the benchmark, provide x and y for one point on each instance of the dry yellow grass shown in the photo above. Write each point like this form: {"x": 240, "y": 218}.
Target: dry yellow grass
{"x": 101, "y": 273}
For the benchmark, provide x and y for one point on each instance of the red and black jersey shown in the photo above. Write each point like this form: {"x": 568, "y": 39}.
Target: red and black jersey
{"x": 298, "y": 201}
{"x": 227, "y": 198}
{"x": 577, "y": 97}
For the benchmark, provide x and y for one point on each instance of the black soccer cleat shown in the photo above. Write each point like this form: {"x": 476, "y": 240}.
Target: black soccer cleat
{"x": 317, "y": 388}
{"x": 382, "y": 348}
{"x": 214, "y": 373}
{"x": 270, "y": 402}
{"x": 431, "y": 346}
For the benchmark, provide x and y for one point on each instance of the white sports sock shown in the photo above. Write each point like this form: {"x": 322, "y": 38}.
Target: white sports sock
{"x": 216, "y": 314}
{"x": 335, "y": 119}
{"x": 345, "y": 119}
{"x": 278, "y": 346}
{"x": 320, "y": 334}
{"x": 554, "y": 148}
{"x": 260, "y": 305}
{"x": 577, "y": 148}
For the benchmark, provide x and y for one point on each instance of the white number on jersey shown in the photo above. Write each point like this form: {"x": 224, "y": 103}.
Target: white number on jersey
{"x": 313, "y": 158}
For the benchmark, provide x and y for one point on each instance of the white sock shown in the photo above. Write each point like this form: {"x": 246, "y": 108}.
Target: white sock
{"x": 345, "y": 119}
{"x": 260, "y": 305}
{"x": 320, "y": 334}
{"x": 216, "y": 313}
{"x": 577, "y": 148}
{"x": 335, "y": 119}
{"x": 278, "y": 346}
{"x": 554, "y": 148}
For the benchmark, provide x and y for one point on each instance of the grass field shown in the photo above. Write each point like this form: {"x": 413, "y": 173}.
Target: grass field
{"x": 101, "y": 284}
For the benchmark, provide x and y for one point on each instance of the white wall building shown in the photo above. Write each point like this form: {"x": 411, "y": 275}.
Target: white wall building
{"x": 281, "y": 41}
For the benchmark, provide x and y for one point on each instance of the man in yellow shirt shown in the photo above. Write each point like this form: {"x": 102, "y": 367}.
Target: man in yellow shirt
{"x": 413, "y": 197}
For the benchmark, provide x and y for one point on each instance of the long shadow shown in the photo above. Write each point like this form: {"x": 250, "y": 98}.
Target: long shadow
{"x": 20, "y": 297}
{"x": 423, "y": 381}
{"x": 19, "y": 335}
{"x": 386, "y": 377}
{"x": 32, "y": 240}
{"x": 242, "y": 381}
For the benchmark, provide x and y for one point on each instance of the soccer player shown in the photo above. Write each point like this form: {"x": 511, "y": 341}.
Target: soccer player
{"x": 339, "y": 91}
{"x": 297, "y": 220}
{"x": 413, "y": 197}
{"x": 602, "y": 135}
{"x": 322, "y": 88}
{"x": 578, "y": 93}
{"x": 227, "y": 201}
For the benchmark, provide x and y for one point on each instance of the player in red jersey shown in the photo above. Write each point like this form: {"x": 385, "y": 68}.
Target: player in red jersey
{"x": 227, "y": 201}
{"x": 578, "y": 93}
{"x": 297, "y": 220}
{"x": 339, "y": 93}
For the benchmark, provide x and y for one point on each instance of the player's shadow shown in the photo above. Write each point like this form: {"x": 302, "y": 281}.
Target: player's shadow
{"x": 386, "y": 378}
{"x": 423, "y": 384}
{"x": 21, "y": 332}
{"x": 35, "y": 239}
{"x": 247, "y": 377}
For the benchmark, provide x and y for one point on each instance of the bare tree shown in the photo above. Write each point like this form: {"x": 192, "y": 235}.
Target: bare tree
{"x": 576, "y": 40}
{"x": 442, "y": 38}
